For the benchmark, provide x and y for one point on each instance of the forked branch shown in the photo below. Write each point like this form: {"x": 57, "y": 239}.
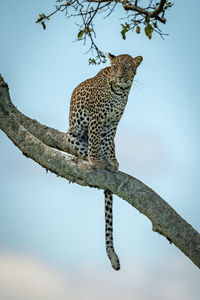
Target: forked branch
{"x": 39, "y": 142}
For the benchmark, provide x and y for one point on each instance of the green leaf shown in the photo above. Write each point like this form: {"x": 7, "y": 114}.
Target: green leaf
{"x": 125, "y": 29}
{"x": 138, "y": 29}
{"x": 168, "y": 4}
{"x": 92, "y": 61}
{"x": 123, "y": 33}
{"x": 43, "y": 25}
{"x": 80, "y": 34}
{"x": 88, "y": 30}
{"x": 147, "y": 19}
{"x": 41, "y": 17}
{"x": 148, "y": 30}
{"x": 155, "y": 25}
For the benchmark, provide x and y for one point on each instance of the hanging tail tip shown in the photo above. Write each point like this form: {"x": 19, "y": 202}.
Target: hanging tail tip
{"x": 114, "y": 259}
{"x": 115, "y": 262}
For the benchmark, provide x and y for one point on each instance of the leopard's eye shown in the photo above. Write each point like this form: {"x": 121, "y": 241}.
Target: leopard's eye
{"x": 127, "y": 67}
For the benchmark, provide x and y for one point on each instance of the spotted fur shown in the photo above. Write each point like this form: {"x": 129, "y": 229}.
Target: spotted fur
{"x": 97, "y": 105}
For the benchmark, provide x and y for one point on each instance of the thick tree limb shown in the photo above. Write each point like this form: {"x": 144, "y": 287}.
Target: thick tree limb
{"x": 37, "y": 142}
{"x": 127, "y": 5}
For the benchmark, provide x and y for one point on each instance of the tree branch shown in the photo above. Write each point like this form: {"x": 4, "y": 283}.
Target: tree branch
{"x": 127, "y": 5}
{"x": 37, "y": 142}
{"x": 147, "y": 17}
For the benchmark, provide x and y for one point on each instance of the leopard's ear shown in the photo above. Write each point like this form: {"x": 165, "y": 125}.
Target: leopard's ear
{"x": 111, "y": 56}
{"x": 137, "y": 60}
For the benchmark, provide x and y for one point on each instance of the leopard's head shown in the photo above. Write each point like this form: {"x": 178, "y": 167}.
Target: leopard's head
{"x": 123, "y": 68}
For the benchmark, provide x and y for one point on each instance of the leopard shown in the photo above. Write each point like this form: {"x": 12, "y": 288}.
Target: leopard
{"x": 96, "y": 107}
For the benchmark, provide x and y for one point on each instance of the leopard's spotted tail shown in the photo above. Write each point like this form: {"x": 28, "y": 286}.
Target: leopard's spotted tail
{"x": 109, "y": 231}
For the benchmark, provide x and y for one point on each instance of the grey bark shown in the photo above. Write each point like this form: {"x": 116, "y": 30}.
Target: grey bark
{"x": 42, "y": 143}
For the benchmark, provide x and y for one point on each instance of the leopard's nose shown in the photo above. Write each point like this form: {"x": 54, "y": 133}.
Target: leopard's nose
{"x": 120, "y": 76}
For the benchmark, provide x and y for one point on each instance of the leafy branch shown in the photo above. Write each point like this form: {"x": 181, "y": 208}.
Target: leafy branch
{"x": 137, "y": 18}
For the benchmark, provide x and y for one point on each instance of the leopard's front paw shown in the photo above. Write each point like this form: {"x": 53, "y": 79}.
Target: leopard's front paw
{"x": 96, "y": 163}
{"x": 112, "y": 166}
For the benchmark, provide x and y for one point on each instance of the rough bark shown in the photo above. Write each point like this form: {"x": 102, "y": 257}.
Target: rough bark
{"x": 37, "y": 142}
{"x": 127, "y": 5}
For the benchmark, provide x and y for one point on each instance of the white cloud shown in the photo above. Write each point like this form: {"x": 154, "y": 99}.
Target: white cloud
{"x": 25, "y": 278}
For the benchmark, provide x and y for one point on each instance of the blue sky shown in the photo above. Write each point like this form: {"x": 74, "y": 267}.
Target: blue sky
{"x": 61, "y": 225}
